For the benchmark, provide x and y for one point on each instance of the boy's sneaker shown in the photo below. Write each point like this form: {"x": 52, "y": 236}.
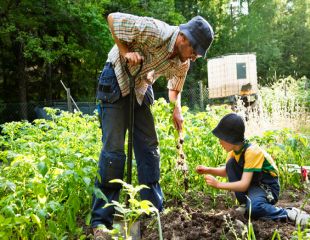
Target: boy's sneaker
{"x": 298, "y": 216}
{"x": 100, "y": 234}
{"x": 241, "y": 209}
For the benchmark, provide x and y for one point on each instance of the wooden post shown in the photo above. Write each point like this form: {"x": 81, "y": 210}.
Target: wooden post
{"x": 69, "y": 100}
{"x": 201, "y": 95}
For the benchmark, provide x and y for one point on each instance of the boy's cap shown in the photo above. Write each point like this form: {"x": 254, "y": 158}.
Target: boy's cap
{"x": 231, "y": 129}
{"x": 199, "y": 33}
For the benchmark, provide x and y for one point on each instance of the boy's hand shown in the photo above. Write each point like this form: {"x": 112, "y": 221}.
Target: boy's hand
{"x": 212, "y": 181}
{"x": 201, "y": 169}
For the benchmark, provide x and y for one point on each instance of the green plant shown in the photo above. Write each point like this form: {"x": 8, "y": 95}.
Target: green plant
{"x": 47, "y": 175}
{"x": 276, "y": 235}
{"x": 48, "y": 167}
{"x": 301, "y": 234}
{"x": 200, "y": 146}
{"x": 231, "y": 226}
{"x": 131, "y": 213}
{"x": 251, "y": 233}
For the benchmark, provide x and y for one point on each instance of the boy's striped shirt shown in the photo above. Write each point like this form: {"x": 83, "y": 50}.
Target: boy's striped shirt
{"x": 256, "y": 160}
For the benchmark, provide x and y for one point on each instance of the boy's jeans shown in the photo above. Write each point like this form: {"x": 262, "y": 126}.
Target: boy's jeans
{"x": 260, "y": 207}
{"x": 114, "y": 114}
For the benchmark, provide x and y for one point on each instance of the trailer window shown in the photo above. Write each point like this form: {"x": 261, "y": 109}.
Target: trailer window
{"x": 241, "y": 70}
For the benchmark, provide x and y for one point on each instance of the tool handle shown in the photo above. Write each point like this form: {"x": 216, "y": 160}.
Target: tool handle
{"x": 132, "y": 77}
{"x": 131, "y": 120}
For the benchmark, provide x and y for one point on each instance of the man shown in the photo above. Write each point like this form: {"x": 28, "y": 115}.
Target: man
{"x": 165, "y": 51}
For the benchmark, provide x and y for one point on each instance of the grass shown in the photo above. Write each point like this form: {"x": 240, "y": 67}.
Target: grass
{"x": 284, "y": 105}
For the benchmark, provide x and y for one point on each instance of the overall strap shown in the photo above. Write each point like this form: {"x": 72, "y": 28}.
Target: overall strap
{"x": 257, "y": 176}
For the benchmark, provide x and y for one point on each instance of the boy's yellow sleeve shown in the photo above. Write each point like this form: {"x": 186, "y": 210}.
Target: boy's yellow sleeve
{"x": 253, "y": 159}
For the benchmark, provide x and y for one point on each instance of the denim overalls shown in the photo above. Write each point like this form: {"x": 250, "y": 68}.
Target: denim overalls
{"x": 262, "y": 186}
{"x": 114, "y": 115}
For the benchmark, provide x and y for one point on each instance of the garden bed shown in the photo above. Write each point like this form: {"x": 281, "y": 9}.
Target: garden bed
{"x": 197, "y": 218}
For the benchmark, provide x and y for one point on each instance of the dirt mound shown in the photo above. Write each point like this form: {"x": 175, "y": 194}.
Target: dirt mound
{"x": 202, "y": 218}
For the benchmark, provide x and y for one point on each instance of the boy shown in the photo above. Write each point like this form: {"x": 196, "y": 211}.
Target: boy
{"x": 251, "y": 172}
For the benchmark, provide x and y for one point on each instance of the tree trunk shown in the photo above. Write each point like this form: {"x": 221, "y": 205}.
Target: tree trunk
{"x": 21, "y": 79}
{"x": 48, "y": 82}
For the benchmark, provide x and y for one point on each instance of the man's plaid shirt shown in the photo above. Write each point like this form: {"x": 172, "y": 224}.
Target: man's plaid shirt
{"x": 154, "y": 40}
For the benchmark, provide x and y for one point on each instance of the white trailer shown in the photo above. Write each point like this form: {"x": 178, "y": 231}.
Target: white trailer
{"x": 231, "y": 75}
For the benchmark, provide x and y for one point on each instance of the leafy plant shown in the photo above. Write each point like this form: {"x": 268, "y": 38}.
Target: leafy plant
{"x": 47, "y": 175}
{"x": 251, "y": 233}
{"x": 276, "y": 235}
{"x": 48, "y": 167}
{"x": 130, "y": 214}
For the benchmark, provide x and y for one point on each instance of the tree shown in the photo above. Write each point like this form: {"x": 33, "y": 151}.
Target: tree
{"x": 53, "y": 40}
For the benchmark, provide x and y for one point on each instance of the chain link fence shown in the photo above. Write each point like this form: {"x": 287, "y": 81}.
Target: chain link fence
{"x": 195, "y": 98}
{"x": 33, "y": 110}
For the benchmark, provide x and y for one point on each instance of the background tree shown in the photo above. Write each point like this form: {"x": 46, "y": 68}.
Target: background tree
{"x": 278, "y": 32}
{"x": 45, "y": 41}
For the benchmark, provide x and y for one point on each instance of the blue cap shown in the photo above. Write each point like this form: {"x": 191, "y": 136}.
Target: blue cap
{"x": 199, "y": 33}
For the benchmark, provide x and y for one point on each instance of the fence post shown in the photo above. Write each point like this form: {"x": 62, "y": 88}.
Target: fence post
{"x": 69, "y": 100}
{"x": 201, "y": 95}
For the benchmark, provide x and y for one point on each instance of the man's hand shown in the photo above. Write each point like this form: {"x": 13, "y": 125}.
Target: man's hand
{"x": 212, "y": 181}
{"x": 177, "y": 118}
{"x": 133, "y": 58}
{"x": 201, "y": 169}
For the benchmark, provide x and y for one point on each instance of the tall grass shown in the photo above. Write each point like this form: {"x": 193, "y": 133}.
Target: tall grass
{"x": 281, "y": 119}
{"x": 285, "y": 104}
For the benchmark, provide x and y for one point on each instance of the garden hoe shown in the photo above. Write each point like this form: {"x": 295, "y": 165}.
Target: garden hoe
{"x": 135, "y": 228}
{"x": 132, "y": 78}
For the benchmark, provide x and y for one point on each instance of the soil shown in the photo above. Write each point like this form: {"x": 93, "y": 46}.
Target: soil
{"x": 199, "y": 218}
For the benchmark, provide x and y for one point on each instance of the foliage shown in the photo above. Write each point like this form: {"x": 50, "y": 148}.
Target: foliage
{"x": 200, "y": 146}
{"x": 278, "y": 32}
{"x": 289, "y": 94}
{"x": 251, "y": 233}
{"x": 281, "y": 120}
{"x": 49, "y": 166}
{"x": 44, "y": 42}
{"x": 130, "y": 214}
{"x": 48, "y": 41}
{"x": 287, "y": 147}
{"x": 47, "y": 175}
{"x": 285, "y": 104}
{"x": 301, "y": 234}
